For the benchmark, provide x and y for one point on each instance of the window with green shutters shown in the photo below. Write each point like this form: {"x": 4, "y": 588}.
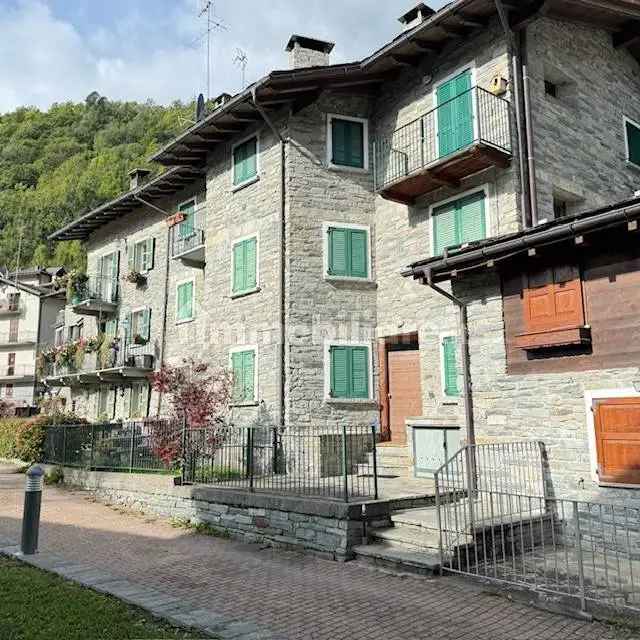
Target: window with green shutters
{"x": 184, "y": 303}
{"x": 140, "y": 256}
{"x": 348, "y": 142}
{"x": 245, "y": 161}
{"x": 185, "y": 228}
{"x": 459, "y": 222}
{"x": 348, "y": 252}
{"x": 243, "y": 367}
{"x": 245, "y": 265}
{"x": 450, "y": 366}
{"x": 633, "y": 142}
{"x": 349, "y": 371}
{"x": 455, "y": 114}
{"x": 140, "y": 325}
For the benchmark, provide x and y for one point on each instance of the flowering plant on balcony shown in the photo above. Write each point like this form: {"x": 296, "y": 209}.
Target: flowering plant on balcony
{"x": 135, "y": 277}
{"x": 92, "y": 344}
{"x": 75, "y": 282}
{"x": 108, "y": 352}
{"x": 65, "y": 354}
{"x": 140, "y": 340}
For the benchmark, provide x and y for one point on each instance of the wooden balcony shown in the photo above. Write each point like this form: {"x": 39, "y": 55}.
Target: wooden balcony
{"x": 424, "y": 155}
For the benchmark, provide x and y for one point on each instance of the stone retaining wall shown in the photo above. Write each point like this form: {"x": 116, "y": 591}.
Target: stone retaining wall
{"x": 329, "y": 528}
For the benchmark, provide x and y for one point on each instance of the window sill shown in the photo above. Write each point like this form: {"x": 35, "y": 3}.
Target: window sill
{"x": 241, "y": 405}
{"x": 451, "y": 402}
{"x": 567, "y": 337}
{"x": 246, "y": 183}
{"x": 347, "y": 169}
{"x": 244, "y": 294}
{"x": 357, "y": 401}
{"x": 364, "y": 282}
{"x": 185, "y": 320}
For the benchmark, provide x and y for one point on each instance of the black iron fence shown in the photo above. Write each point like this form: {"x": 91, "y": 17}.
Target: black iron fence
{"x": 337, "y": 463}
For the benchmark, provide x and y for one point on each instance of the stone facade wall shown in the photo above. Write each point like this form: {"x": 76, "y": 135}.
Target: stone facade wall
{"x": 547, "y": 407}
{"x": 403, "y": 233}
{"x": 319, "y": 307}
{"x": 579, "y": 136}
{"x": 328, "y": 528}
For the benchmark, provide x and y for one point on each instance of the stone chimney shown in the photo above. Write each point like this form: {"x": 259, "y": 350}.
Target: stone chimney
{"x": 308, "y": 52}
{"x": 415, "y": 16}
{"x": 137, "y": 177}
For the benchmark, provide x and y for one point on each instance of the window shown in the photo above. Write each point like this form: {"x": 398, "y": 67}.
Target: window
{"x": 245, "y": 258}
{"x": 449, "y": 364}
{"x": 349, "y": 371}
{"x": 348, "y": 143}
{"x": 139, "y": 401}
{"x": 455, "y": 114}
{"x": 551, "y": 88}
{"x": 59, "y": 337}
{"x": 74, "y": 332}
{"x": 243, "y": 367}
{"x": 8, "y": 391}
{"x": 245, "y": 161}
{"x": 632, "y": 132}
{"x": 560, "y": 207}
{"x": 108, "y": 327}
{"x": 11, "y": 364}
{"x": 140, "y": 326}
{"x": 141, "y": 256}
{"x": 348, "y": 252}
{"x": 186, "y": 227}
{"x": 458, "y": 222}
{"x": 553, "y": 299}
{"x": 106, "y": 404}
{"x": 184, "y": 303}
{"x": 14, "y": 323}
{"x": 14, "y": 301}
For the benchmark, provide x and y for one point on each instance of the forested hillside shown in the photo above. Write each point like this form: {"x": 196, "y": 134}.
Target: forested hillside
{"x": 59, "y": 163}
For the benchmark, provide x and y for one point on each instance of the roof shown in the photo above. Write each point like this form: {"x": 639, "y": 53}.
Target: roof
{"x": 453, "y": 23}
{"x": 19, "y": 285}
{"x": 166, "y": 183}
{"x": 473, "y": 256}
{"x": 310, "y": 43}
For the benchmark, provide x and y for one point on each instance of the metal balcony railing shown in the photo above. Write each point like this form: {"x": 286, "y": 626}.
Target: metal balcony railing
{"x": 18, "y": 337}
{"x": 99, "y": 288}
{"x": 17, "y": 371}
{"x": 426, "y": 140}
{"x": 187, "y": 236}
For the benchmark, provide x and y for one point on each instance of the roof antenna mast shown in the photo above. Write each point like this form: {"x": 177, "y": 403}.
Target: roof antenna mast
{"x": 212, "y": 23}
{"x": 240, "y": 60}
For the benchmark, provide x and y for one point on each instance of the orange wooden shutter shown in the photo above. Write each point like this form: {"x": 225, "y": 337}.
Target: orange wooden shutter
{"x": 553, "y": 299}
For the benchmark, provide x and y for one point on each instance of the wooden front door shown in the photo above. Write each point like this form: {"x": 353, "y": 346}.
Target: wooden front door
{"x": 405, "y": 394}
{"x": 617, "y": 422}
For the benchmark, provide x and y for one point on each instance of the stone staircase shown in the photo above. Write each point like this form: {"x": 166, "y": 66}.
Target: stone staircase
{"x": 393, "y": 462}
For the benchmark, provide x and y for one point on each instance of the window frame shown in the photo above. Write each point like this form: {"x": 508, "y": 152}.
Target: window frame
{"x": 243, "y": 349}
{"x": 111, "y": 397}
{"x": 234, "y": 243}
{"x": 365, "y": 143}
{"x": 136, "y": 244}
{"x": 193, "y": 300}
{"x": 146, "y": 390}
{"x": 328, "y": 344}
{"x": 627, "y": 151}
{"x": 449, "y": 399}
{"x": 488, "y": 212}
{"x": 326, "y": 226}
{"x": 135, "y": 312}
{"x": 245, "y": 183}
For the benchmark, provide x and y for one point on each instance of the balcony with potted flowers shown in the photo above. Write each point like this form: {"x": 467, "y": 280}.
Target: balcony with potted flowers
{"x": 92, "y": 295}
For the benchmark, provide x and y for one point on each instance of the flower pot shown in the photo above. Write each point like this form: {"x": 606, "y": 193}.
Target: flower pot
{"x": 144, "y": 361}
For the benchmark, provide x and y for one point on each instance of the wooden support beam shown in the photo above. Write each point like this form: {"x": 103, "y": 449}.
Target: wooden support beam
{"x": 467, "y": 21}
{"x": 520, "y": 18}
{"x": 629, "y": 36}
{"x": 405, "y": 61}
{"x": 425, "y": 45}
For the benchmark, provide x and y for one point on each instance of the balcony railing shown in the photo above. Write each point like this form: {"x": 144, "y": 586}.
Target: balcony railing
{"x": 475, "y": 118}
{"x": 12, "y": 371}
{"x": 18, "y": 337}
{"x": 188, "y": 237}
{"x": 60, "y": 318}
{"x": 98, "y": 294}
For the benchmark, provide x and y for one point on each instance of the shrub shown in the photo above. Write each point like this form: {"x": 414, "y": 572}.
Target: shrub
{"x": 55, "y": 476}
{"x": 8, "y": 430}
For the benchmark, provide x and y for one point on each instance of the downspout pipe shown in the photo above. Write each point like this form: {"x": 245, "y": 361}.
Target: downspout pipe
{"x": 283, "y": 255}
{"x": 463, "y": 330}
{"x": 531, "y": 158}
{"x": 165, "y": 298}
{"x": 514, "y": 43}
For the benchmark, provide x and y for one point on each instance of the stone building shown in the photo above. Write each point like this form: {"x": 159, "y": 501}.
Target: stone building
{"x": 280, "y": 232}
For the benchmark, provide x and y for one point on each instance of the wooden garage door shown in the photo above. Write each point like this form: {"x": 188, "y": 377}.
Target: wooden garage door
{"x": 405, "y": 396}
{"x": 617, "y": 424}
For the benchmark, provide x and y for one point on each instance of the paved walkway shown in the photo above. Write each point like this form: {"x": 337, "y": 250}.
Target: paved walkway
{"x": 249, "y": 593}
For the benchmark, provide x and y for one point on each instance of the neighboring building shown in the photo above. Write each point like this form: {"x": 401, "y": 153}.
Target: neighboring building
{"x": 29, "y": 304}
{"x": 307, "y": 194}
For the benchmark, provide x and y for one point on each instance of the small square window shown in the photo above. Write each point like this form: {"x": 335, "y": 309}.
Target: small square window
{"x": 632, "y": 132}
{"x": 349, "y": 370}
{"x": 245, "y": 161}
{"x": 348, "y": 142}
{"x": 348, "y": 252}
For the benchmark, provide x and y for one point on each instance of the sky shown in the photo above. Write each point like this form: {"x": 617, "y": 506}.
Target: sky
{"x": 58, "y": 50}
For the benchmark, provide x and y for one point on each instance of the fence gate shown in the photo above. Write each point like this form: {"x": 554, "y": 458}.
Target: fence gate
{"x": 497, "y": 523}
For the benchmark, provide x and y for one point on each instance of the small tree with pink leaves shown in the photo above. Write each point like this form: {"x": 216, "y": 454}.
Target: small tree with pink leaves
{"x": 199, "y": 397}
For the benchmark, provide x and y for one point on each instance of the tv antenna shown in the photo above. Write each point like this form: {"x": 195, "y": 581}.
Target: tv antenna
{"x": 213, "y": 24}
{"x": 240, "y": 60}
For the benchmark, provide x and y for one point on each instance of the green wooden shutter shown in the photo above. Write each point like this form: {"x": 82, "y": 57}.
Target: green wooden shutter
{"x": 359, "y": 374}
{"x": 248, "y": 372}
{"x": 237, "y": 362}
{"x": 633, "y": 142}
{"x": 338, "y": 142}
{"x": 471, "y": 218}
{"x": 185, "y": 301}
{"x": 148, "y": 247}
{"x": 250, "y": 257}
{"x": 185, "y": 228}
{"x": 455, "y": 114}
{"x": 128, "y": 333}
{"x": 131, "y": 257}
{"x": 145, "y": 326}
{"x": 445, "y": 233}
{"x": 238, "y": 267}
{"x": 339, "y": 372}
{"x": 450, "y": 367}
{"x": 347, "y": 143}
{"x": 338, "y": 243}
{"x": 245, "y": 161}
{"x": 359, "y": 258}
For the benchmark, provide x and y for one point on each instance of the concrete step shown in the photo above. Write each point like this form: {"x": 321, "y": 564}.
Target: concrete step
{"x": 427, "y": 518}
{"x": 407, "y": 538}
{"x": 385, "y": 470}
{"x": 388, "y": 453}
{"x": 425, "y": 563}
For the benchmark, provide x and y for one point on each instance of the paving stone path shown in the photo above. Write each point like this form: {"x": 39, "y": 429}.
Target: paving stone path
{"x": 247, "y": 592}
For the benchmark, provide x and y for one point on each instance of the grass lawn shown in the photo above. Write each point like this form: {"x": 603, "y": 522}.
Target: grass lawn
{"x": 37, "y": 605}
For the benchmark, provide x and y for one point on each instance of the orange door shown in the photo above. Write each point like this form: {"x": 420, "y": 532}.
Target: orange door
{"x": 617, "y": 424}
{"x": 405, "y": 395}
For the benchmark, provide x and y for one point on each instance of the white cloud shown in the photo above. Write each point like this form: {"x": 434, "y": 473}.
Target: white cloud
{"x": 46, "y": 59}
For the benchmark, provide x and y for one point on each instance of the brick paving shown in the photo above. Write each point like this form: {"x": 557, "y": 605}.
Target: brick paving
{"x": 250, "y": 592}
